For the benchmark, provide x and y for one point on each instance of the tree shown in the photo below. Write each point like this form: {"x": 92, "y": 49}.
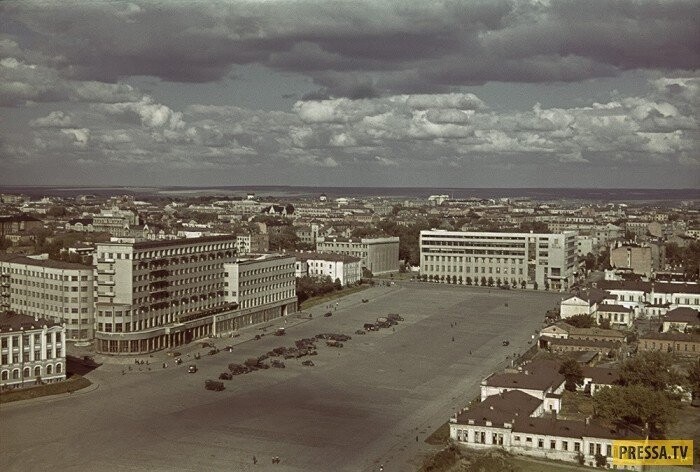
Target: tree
{"x": 604, "y": 323}
{"x": 337, "y": 284}
{"x": 522, "y": 285}
{"x": 573, "y": 373}
{"x": 581, "y": 321}
{"x": 637, "y": 405}
{"x": 694, "y": 378}
{"x": 490, "y": 281}
{"x": 483, "y": 281}
{"x": 469, "y": 280}
{"x": 651, "y": 369}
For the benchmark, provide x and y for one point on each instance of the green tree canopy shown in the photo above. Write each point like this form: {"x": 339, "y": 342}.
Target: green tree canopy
{"x": 651, "y": 369}
{"x": 581, "y": 321}
{"x": 637, "y": 405}
{"x": 572, "y": 372}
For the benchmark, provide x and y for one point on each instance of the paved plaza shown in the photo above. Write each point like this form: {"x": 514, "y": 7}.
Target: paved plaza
{"x": 359, "y": 407}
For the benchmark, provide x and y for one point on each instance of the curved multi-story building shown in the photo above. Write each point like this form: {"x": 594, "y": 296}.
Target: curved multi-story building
{"x": 62, "y": 292}
{"x": 154, "y": 295}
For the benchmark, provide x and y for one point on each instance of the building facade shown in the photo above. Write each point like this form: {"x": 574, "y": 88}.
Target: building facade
{"x": 378, "y": 255}
{"x": 346, "y": 269}
{"x": 32, "y": 350}
{"x": 58, "y": 291}
{"x": 254, "y": 243}
{"x": 264, "y": 281}
{"x": 542, "y": 261}
{"x": 158, "y": 295}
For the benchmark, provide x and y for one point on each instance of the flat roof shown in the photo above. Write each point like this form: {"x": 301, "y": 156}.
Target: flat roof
{"x": 48, "y": 263}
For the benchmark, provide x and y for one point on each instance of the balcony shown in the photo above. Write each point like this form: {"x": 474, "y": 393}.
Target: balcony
{"x": 106, "y": 294}
{"x": 105, "y": 282}
{"x": 159, "y": 284}
{"x": 159, "y": 295}
{"x": 105, "y": 260}
{"x": 5, "y": 294}
{"x": 5, "y": 284}
{"x": 106, "y": 272}
{"x": 159, "y": 273}
{"x": 5, "y": 274}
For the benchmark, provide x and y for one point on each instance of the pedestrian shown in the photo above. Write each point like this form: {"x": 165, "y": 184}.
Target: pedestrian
{"x": 416, "y": 438}
{"x": 453, "y": 339}
{"x": 255, "y": 460}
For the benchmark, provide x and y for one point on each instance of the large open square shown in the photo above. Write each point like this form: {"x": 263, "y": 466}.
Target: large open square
{"x": 371, "y": 402}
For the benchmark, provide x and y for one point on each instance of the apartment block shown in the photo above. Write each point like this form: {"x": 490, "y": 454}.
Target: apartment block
{"x": 378, "y": 255}
{"x": 160, "y": 294}
{"x": 61, "y": 292}
{"x": 263, "y": 286}
{"x": 542, "y": 261}
{"x": 32, "y": 350}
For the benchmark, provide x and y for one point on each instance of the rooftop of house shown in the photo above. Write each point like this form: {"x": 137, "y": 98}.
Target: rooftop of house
{"x": 11, "y": 321}
{"x": 601, "y": 375}
{"x": 500, "y": 409}
{"x": 582, "y": 343}
{"x": 596, "y": 332}
{"x": 683, "y": 315}
{"x": 648, "y": 287}
{"x": 671, "y": 336}
{"x": 611, "y": 308}
{"x": 564, "y": 428}
{"x": 538, "y": 375}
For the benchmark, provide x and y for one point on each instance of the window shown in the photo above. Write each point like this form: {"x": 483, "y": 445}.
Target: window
{"x": 565, "y": 445}
{"x": 540, "y": 443}
{"x": 577, "y": 446}
{"x": 552, "y": 444}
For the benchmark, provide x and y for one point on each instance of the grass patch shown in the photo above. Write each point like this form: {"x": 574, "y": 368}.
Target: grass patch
{"x": 75, "y": 382}
{"x": 440, "y": 436}
{"x": 313, "y": 301}
{"x": 576, "y": 406}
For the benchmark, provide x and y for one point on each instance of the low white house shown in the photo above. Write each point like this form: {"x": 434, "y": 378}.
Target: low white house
{"x": 347, "y": 269}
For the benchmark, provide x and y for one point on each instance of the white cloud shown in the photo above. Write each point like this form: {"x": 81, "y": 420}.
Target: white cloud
{"x": 55, "y": 119}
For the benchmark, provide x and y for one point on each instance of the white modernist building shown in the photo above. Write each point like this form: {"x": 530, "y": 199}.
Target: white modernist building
{"x": 32, "y": 350}
{"x": 62, "y": 292}
{"x": 543, "y": 261}
{"x": 378, "y": 255}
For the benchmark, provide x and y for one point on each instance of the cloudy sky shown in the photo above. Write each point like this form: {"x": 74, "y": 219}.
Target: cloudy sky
{"x": 489, "y": 93}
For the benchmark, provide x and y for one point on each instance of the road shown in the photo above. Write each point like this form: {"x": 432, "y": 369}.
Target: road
{"x": 359, "y": 407}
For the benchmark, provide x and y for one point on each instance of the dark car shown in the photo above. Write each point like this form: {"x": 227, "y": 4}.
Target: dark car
{"x": 228, "y": 348}
{"x": 308, "y": 363}
{"x": 277, "y": 363}
{"x": 365, "y": 300}
{"x": 360, "y": 331}
{"x": 506, "y": 342}
{"x": 225, "y": 376}
{"x": 327, "y": 314}
{"x": 214, "y": 385}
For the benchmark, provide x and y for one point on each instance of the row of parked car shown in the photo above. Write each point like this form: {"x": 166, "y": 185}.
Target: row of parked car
{"x": 302, "y": 347}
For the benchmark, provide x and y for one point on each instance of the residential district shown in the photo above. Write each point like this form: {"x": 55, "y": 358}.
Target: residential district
{"x": 124, "y": 277}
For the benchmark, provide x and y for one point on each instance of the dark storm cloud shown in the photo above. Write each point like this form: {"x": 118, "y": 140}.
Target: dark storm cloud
{"x": 414, "y": 46}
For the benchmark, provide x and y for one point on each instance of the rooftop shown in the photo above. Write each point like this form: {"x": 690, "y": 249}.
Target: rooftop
{"x": 11, "y": 321}
{"x": 501, "y": 408}
{"x": 48, "y": 263}
{"x": 538, "y": 375}
{"x": 564, "y": 428}
{"x": 325, "y": 256}
{"x": 683, "y": 315}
